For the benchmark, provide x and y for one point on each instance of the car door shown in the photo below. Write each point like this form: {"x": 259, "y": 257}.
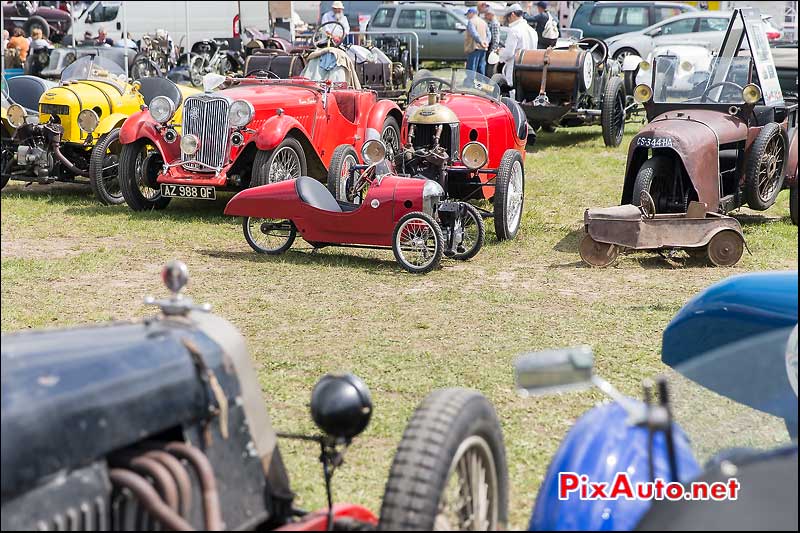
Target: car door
{"x": 415, "y": 19}
{"x": 711, "y": 30}
{"x": 447, "y": 34}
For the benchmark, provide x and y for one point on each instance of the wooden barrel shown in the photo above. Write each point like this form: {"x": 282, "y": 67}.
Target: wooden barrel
{"x": 564, "y": 73}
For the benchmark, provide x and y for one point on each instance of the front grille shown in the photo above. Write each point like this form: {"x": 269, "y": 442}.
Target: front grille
{"x": 424, "y": 135}
{"x": 53, "y": 109}
{"x": 90, "y": 515}
{"x": 207, "y": 118}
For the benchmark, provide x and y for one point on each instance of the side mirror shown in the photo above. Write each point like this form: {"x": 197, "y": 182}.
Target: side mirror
{"x": 341, "y": 405}
{"x": 460, "y": 26}
{"x": 656, "y": 32}
{"x": 549, "y": 371}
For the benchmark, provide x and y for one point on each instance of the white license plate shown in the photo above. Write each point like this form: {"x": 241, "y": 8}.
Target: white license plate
{"x": 197, "y": 192}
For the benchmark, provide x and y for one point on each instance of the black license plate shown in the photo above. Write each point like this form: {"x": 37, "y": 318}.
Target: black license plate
{"x": 197, "y": 192}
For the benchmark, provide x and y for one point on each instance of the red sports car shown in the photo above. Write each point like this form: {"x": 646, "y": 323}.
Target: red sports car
{"x": 256, "y": 131}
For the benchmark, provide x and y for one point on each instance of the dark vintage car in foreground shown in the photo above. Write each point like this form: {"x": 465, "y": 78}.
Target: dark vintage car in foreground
{"x": 257, "y": 130}
{"x": 731, "y": 141}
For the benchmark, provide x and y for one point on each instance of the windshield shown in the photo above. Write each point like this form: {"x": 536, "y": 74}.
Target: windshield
{"x": 456, "y": 81}
{"x": 742, "y": 395}
{"x": 95, "y": 68}
{"x": 688, "y": 81}
{"x": 324, "y": 68}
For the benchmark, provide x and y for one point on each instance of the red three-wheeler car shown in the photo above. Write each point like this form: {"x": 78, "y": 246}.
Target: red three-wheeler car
{"x": 257, "y": 130}
{"x": 410, "y": 216}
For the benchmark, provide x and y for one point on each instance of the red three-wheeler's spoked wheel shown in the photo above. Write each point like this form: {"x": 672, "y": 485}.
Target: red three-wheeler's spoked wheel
{"x": 418, "y": 243}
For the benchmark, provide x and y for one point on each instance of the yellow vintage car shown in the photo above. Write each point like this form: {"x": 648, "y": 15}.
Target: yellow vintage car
{"x": 79, "y": 120}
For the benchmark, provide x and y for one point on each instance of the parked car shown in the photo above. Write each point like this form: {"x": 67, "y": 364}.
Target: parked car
{"x": 732, "y": 141}
{"x": 256, "y": 131}
{"x": 23, "y": 91}
{"x": 79, "y": 126}
{"x": 602, "y": 20}
{"x": 573, "y": 84}
{"x": 695, "y": 61}
{"x": 60, "y": 58}
{"x": 54, "y": 23}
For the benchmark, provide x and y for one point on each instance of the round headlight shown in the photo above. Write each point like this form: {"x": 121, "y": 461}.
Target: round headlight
{"x": 190, "y": 144}
{"x": 241, "y": 113}
{"x": 644, "y": 65}
{"x": 751, "y": 93}
{"x": 88, "y": 120}
{"x": 373, "y": 151}
{"x": 162, "y": 109}
{"x": 642, "y": 93}
{"x": 16, "y": 115}
{"x": 687, "y": 66}
{"x": 474, "y": 155}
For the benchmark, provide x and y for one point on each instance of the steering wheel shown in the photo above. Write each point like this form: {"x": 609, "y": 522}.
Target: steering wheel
{"x": 328, "y": 34}
{"x": 429, "y": 80}
{"x": 705, "y": 95}
{"x": 647, "y": 205}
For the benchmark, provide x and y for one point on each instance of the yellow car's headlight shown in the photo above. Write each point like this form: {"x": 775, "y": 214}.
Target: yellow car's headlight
{"x": 474, "y": 155}
{"x": 88, "y": 120}
{"x": 16, "y": 115}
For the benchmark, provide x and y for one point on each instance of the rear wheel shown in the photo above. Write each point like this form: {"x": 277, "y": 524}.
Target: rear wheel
{"x": 764, "y": 172}
{"x": 612, "y": 115}
{"x": 509, "y": 195}
{"x": 104, "y": 169}
{"x": 418, "y": 243}
{"x": 269, "y": 236}
{"x": 725, "y": 248}
{"x": 339, "y": 184}
{"x": 473, "y": 233}
{"x": 656, "y": 176}
{"x": 287, "y": 161}
{"x": 449, "y": 472}
{"x": 139, "y": 165}
{"x": 197, "y": 69}
{"x": 597, "y": 254}
{"x": 390, "y": 135}
{"x": 622, "y": 53}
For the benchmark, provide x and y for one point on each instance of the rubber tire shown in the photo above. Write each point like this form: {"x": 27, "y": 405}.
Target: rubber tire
{"x": 96, "y": 163}
{"x": 391, "y": 122}
{"x": 418, "y": 474}
{"x": 624, "y": 49}
{"x": 469, "y": 254}
{"x": 751, "y": 170}
{"x": 793, "y": 203}
{"x": 501, "y": 191}
{"x": 614, "y": 89}
{"x": 263, "y": 160}
{"x": 127, "y": 181}
{"x": 276, "y": 251}
{"x": 655, "y": 166}
{"x": 38, "y": 21}
{"x": 437, "y": 234}
{"x": 738, "y": 253}
{"x": 335, "y": 169}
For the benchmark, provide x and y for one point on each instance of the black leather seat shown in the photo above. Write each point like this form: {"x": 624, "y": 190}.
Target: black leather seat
{"x": 520, "y": 121}
{"x": 152, "y": 87}
{"x": 26, "y": 91}
{"x": 316, "y": 194}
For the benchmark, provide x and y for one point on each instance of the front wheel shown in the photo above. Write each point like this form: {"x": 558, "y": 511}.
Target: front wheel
{"x": 449, "y": 472}
{"x": 339, "y": 183}
{"x": 418, "y": 243}
{"x": 764, "y": 172}
{"x": 612, "y": 114}
{"x": 390, "y": 135}
{"x": 472, "y": 231}
{"x": 287, "y": 161}
{"x": 597, "y": 254}
{"x": 656, "y": 177}
{"x": 509, "y": 195}
{"x": 725, "y": 248}
{"x": 269, "y": 236}
{"x": 104, "y": 169}
{"x": 139, "y": 165}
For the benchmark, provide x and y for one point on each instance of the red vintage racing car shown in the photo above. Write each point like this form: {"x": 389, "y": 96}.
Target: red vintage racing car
{"x": 257, "y": 130}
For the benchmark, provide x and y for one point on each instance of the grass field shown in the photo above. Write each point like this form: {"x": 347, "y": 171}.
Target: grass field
{"x": 67, "y": 260}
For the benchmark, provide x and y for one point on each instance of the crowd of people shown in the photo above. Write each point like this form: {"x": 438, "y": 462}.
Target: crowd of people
{"x": 526, "y": 31}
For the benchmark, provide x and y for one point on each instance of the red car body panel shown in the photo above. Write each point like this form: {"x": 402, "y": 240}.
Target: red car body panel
{"x": 318, "y": 521}
{"x": 371, "y": 224}
{"x": 492, "y": 124}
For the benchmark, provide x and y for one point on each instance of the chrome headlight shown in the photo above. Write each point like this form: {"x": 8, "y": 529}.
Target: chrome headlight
{"x": 474, "y": 155}
{"x": 88, "y": 120}
{"x": 162, "y": 109}
{"x": 751, "y": 93}
{"x": 644, "y": 66}
{"x": 642, "y": 93}
{"x": 432, "y": 194}
{"x": 373, "y": 151}
{"x": 241, "y": 113}
{"x": 190, "y": 144}
{"x": 16, "y": 115}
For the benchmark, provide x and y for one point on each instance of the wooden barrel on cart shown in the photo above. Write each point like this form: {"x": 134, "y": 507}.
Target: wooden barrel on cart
{"x": 565, "y": 72}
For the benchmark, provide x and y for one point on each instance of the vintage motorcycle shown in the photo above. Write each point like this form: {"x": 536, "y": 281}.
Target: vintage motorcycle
{"x": 212, "y": 55}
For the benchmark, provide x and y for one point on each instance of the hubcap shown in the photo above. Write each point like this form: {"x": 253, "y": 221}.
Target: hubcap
{"x": 417, "y": 242}
{"x": 285, "y": 165}
{"x": 514, "y": 198}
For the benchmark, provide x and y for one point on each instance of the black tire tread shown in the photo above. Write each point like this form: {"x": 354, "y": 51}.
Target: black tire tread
{"x": 501, "y": 191}
{"x": 96, "y": 163}
{"x": 334, "y": 169}
{"x": 469, "y": 254}
{"x": 751, "y": 170}
{"x": 127, "y": 181}
{"x": 655, "y": 166}
{"x": 277, "y": 251}
{"x": 263, "y": 159}
{"x": 612, "y": 90}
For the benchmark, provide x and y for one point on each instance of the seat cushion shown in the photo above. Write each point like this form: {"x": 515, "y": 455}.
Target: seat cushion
{"x": 619, "y": 212}
{"x": 152, "y": 87}
{"x": 520, "y": 121}
{"x": 26, "y": 91}
{"x": 316, "y": 194}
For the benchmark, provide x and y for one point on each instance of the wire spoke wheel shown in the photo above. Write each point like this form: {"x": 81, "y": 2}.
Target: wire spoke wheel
{"x": 145, "y": 173}
{"x": 471, "y": 230}
{"x": 391, "y": 139}
{"x": 514, "y": 197}
{"x": 417, "y": 242}
{"x": 285, "y": 165}
{"x": 770, "y": 168}
{"x": 267, "y": 235}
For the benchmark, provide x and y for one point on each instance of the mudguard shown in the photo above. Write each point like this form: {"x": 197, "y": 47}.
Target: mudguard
{"x": 377, "y": 116}
{"x": 631, "y": 63}
{"x": 109, "y": 123}
{"x": 600, "y": 445}
{"x": 275, "y": 129}
{"x": 728, "y": 312}
{"x": 140, "y": 125}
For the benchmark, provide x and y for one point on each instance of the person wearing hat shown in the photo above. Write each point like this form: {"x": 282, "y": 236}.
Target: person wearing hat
{"x": 476, "y": 42}
{"x": 520, "y": 37}
{"x": 545, "y": 25}
{"x": 336, "y": 14}
{"x": 494, "y": 38}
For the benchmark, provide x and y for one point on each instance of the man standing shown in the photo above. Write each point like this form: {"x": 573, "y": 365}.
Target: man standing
{"x": 520, "y": 37}
{"x": 545, "y": 25}
{"x": 336, "y": 14}
{"x": 494, "y": 38}
{"x": 476, "y": 41}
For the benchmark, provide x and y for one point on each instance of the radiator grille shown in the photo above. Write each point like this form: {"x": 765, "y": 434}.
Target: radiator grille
{"x": 54, "y": 109}
{"x": 425, "y": 133}
{"x": 207, "y": 118}
{"x": 88, "y": 516}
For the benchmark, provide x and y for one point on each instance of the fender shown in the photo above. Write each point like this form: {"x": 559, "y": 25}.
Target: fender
{"x": 109, "y": 123}
{"x": 378, "y": 115}
{"x": 631, "y": 63}
{"x": 140, "y": 125}
{"x": 275, "y": 129}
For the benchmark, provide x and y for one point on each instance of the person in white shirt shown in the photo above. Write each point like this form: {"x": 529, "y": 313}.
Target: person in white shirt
{"x": 520, "y": 37}
{"x": 336, "y": 14}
